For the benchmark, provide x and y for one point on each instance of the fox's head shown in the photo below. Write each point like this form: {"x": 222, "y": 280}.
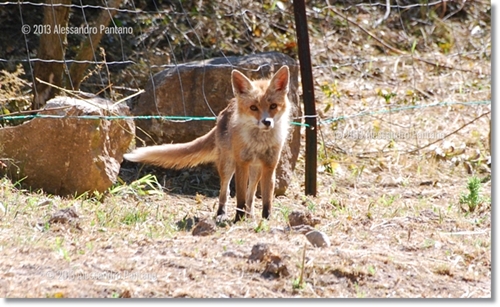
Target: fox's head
{"x": 263, "y": 102}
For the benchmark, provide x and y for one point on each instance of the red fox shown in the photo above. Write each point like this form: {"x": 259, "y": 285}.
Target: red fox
{"x": 247, "y": 141}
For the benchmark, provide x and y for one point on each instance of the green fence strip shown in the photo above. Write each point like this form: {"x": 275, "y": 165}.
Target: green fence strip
{"x": 205, "y": 118}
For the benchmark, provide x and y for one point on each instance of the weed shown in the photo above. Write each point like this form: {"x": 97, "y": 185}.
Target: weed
{"x": 101, "y": 218}
{"x": 285, "y": 212}
{"x": 147, "y": 185}
{"x": 311, "y": 206}
{"x": 428, "y": 243}
{"x": 386, "y": 95}
{"x": 134, "y": 217}
{"x": 356, "y": 171}
{"x": 336, "y": 204}
{"x": 297, "y": 284}
{"x": 369, "y": 212}
{"x": 263, "y": 226}
{"x": 359, "y": 293}
{"x": 387, "y": 200}
{"x": 240, "y": 241}
{"x": 327, "y": 162}
{"x": 371, "y": 270}
{"x": 89, "y": 246}
{"x": 60, "y": 248}
{"x": 330, "y": 90}
{"x": 474, "y": 199}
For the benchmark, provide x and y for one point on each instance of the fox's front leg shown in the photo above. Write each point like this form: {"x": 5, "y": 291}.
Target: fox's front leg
{"x": 226, "y": 170}
{"x": 267, "y": 188}
{"x": 242, "y": 169}
{"x": 253, "y": 180}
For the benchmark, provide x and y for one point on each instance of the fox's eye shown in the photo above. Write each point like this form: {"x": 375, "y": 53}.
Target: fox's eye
{"x": 273, "y": 106}
{"x": 253, "y": 108}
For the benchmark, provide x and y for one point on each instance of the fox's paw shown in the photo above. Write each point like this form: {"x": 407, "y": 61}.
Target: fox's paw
{"x": 222, "y": 219}
{"x": 241, "y": 216}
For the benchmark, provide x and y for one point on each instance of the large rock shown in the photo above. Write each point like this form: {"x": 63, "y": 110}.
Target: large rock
{"x": 68, "y": 156}
{"x": 204, "y": 89}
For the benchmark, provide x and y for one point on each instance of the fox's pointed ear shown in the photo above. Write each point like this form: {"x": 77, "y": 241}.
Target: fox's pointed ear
{"x": 281, "y": 79}
{"x": 241, "y": 84}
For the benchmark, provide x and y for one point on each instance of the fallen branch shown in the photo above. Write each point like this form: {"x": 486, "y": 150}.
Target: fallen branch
{"x": 449, "y": 134}
{"x": 393, "y": 49}
{"x": 368, "y": 32}
{"x": 387, "y": 12}
{"x": 32, "y": 111}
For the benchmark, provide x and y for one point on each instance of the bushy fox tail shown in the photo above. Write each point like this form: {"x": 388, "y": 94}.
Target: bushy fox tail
{"x": 177, "y": 156}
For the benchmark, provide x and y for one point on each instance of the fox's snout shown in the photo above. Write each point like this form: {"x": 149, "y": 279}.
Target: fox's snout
{"x": 268, "y": 122}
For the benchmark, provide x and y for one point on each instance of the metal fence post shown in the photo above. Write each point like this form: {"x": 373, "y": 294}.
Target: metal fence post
{"x": 308, "y": 95}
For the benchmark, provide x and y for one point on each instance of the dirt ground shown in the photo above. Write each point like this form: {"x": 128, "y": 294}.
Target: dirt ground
{"x": 417, "y": 244}
{"x": 399, "y": 212}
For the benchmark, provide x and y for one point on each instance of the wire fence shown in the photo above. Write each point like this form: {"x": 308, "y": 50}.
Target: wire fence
{"x": 212, "y": 118}
{"x": 380, "y": 71}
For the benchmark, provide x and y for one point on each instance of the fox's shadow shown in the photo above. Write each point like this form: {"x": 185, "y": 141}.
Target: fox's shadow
{"x": 202, "y": 179}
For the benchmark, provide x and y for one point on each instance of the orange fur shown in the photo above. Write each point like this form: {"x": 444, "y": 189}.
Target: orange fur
{"x": 246, "y": 141}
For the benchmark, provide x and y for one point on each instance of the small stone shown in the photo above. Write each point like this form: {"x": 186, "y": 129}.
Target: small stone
{"x": 63, "y": 216}
{"x": 296, "y": 218}
{"x": 318, "y": 238}
{"x": 259, "y": 252}
{"x": 204, "y": 227}
{"x": 275, "y": 267}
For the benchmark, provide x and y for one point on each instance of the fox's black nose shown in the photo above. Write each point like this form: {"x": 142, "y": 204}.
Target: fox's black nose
{"x": 267, "y": 122}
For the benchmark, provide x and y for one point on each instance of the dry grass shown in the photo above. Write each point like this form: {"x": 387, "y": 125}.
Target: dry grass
{"x": 401, "y": 241}
{"x": 390, "y": 206}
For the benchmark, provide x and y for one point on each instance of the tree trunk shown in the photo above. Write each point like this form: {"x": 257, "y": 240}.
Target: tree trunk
{"x": 89, "y": 45}
{"x": 52, "y": 47}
